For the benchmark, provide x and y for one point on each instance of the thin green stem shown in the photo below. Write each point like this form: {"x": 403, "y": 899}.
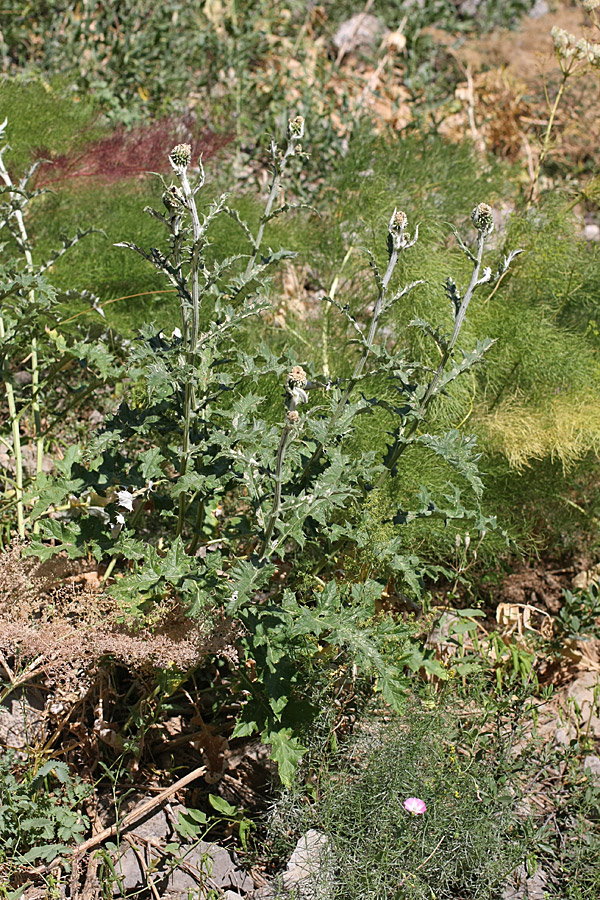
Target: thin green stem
{"x": 533, "y": 192}
{"x": 278, "y": 172}
{"x": 35, "y": 371}
{"x": 197, "y": 526}
{"x": 285, "y": 435}
{"x": 325, "y": 323}
{"x": 185, "y": 451}
{"x": 192, "y": 345}
{"x": 17, "y": 450}
{"x": 196, "y": 232}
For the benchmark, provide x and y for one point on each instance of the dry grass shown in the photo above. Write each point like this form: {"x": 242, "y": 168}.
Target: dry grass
{"x": 59, "y": 611}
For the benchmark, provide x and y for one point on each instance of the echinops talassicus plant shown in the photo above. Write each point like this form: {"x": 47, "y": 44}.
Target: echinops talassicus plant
{"x": 203, "y": 492}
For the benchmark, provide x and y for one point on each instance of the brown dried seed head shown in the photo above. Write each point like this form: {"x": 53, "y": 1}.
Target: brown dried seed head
{"x": 399, "y": 220}
{"x": 292, "y": 417}
{"x": 297, "y": 377}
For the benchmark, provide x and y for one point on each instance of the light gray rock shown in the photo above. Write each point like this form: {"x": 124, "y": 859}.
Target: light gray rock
{"x": 361, "y": 32}
{"x": 521, "y": 886}
{"x": 308, "y": 858}
{"x": 591, "y": 232}
{"x": 540, "y": 8}
{"x": 564, "y": 736}
{"x": 308, "y": 874}
{"x": 583, "y": 693}
{"x": 21, "y": 719}
{"x": 206, "y": 867}
{"x": 592, "y": 764}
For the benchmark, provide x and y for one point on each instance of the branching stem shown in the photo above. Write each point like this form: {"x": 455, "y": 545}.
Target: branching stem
{"x": 401, "y": 441}
{"x": 279, "y": 167}
{"x": 533, "y": 192}
{"x": 361, "y": 362}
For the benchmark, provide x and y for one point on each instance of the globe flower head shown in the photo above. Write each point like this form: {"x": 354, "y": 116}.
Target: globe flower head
{"x": 594, "y": 55}
{"x": 560, "y": 38}
{"x": 296, "y": 382}
{"x": 482, "y": 218}
{"x": 181, "y": 156}
{"x": 415, "y": 806}
{"x": 582, "y": 48}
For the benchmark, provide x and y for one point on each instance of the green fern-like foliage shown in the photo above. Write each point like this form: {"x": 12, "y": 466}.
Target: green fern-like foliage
{"x": 535, "y": 404}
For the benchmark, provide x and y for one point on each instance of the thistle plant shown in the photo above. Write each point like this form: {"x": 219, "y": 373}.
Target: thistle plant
{"x": 203, "y": 487}
{"x": 27, "y": 309}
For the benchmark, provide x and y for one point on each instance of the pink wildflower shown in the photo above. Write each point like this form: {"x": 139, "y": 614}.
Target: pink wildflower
{"x": 415, "y": 806}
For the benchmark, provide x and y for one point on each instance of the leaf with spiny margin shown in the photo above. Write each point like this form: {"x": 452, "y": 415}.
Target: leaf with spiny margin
{"x": 286, "y": 751}
{"x": 245, "y": 580}
{"x": 286, "y": 208}
{"x": 458, "y": 450}
{"x": 67, "y": 243}
{"x": 504, "y": 265}
{"x": 467, "y": 362}
{"x": 234, "y": 214}
{"x": 403, "y": 293}
{"x": 345, "y": 310}
{"x": 471, "y": 256}
{"x": 65, "y": 537}
{"x": 439, "y": 337}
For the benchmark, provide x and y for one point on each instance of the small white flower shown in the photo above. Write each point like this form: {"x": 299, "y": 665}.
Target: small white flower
{"x": 125, "y": 499}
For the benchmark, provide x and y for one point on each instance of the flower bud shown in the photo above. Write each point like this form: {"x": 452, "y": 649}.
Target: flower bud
{"x": 171, "y": 199}
{"x": 292, "y": 417}
{"x": 296, "y": 128}
{"x": 181, "y": 156}
{"x": 482, "y": 218}
{"x": 396, "y": 229}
